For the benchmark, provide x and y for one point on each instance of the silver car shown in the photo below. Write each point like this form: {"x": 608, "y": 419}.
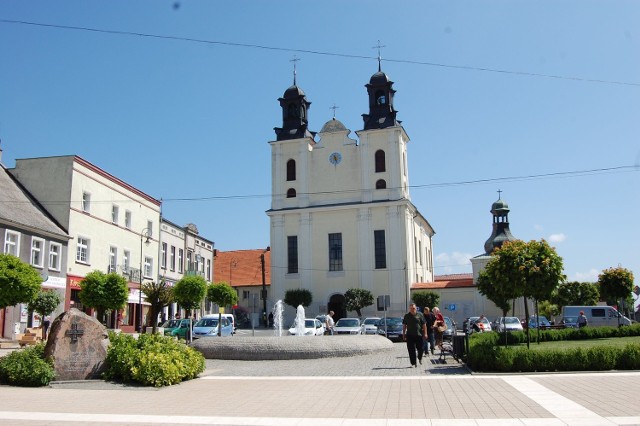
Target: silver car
{"x": 370, "y": 325}
{"x": 347, "y": 326}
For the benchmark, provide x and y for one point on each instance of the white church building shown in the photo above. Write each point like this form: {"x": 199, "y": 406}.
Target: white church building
{"x": 341, "y": 215}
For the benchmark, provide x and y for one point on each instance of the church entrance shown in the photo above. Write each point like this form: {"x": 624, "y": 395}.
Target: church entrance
{"x": 337, "y": 304}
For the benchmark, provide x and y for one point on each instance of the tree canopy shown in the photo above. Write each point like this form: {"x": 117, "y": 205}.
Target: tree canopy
{"x": 615, "y": 284}
{"x": 222, "y": 294}
{"x": 45, "y": 303}
{"x": 425, "y": 298}
{"x": 104, "y": 292}
{"x": 358, "y": 298}
{"x": 158, "y": 295}
{"x": 575, "y": 294}
{"x": 19, "y": 281}
{"x": 297, "y": 297}
{"x": 189, "y": 291}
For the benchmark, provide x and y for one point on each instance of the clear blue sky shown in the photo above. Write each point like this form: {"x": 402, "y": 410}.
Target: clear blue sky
{"x": 184, "y": 119}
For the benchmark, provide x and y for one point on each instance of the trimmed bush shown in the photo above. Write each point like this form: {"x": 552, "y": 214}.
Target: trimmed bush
{"x": 152, "y": 360}
{"x": 27, "y": 367}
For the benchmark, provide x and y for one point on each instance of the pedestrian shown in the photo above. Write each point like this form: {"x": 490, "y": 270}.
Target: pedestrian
{"x": 270, "y": 319}
{"x": 438, "y": 326}
{"x": 414, "y": 328}
{"x": 45, "y": 326}
{"x": 329, "y": 323}
{"x": 582, "y": 320}
{"x": 430, "y": 342}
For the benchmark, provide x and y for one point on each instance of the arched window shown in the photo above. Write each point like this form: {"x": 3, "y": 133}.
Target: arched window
{"x": 291, "y": 170}
{"x": 381, "y": 184}
{"x": 292, "y": 111}
{"x": 291, "y": 193}
{"x": 381, "y": 99}
{"x": 380, "y": 161}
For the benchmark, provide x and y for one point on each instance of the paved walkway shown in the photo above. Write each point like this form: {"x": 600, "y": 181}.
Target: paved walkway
{"x": 363, "y": 390}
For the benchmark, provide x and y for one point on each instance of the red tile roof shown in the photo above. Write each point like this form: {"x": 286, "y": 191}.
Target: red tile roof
{"x": 467, "y": 282}
{"x": 242, "y": 267}
{"x": 450, "y": 277}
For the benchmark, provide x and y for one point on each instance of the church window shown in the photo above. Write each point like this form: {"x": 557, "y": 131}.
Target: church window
{"x": 292, "y": 254}
{"x": 335, "y": 252}
{"x": 380, "y": 249}
{"x": 381, "y": 99}
{"x": 420, "y": 251}
{"x": 381, "y": 184}
{"x": 291, "y": 170}
{"x": 292, "y": 111}
{"x": 380, "y": 161}
{"x": 291, "y": 193}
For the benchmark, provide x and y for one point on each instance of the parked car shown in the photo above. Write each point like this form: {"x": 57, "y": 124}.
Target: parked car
{"x": 541, "y": 321}
{"x": 569, "y": 322}
{"x": 370, "y": 325}
{"x": 508, "y": 324}
{"x": 208, "y": 327}
{"x": 312, "y": 327}
{"x": 230, "y": 317}
{"x": 476, "y": 324}
{"x": 347, "y": 326}
{"x": 451, "y": 329}
{"x": 391, "y": 327}
{"x": 177, "y": 327}
{"x": 597, "y": 316}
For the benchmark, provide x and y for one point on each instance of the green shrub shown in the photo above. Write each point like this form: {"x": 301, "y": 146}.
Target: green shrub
{"x": 27, "y": 368}
{"x": 152, "y": 360}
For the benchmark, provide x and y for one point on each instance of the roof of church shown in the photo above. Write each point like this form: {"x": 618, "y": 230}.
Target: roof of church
{"x": 293, "y": 92}
{"x": 241, "y": 268}
{"x": 333, "y": 125}
{"x": 379, "y": 78}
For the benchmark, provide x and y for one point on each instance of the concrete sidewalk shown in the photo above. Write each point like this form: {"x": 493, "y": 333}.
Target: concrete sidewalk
{"x": 367, "y": 390}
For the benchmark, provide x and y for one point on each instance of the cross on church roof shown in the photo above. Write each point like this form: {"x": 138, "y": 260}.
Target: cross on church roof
{"x": 334, "y": 108}
{"x": 379, "y": 46}
{"x": 294, "y": 60}
{"x": 75, "y": 332}
{"x": 499, "y": 192}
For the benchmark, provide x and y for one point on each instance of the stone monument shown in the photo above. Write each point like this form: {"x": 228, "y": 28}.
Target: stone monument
{"x": 78, "y": 345}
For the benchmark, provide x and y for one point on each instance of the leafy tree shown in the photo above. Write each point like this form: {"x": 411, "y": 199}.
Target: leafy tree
{"x": 548, "y": 309}
{"x": 575, "y": 293}
{"x": 222, "y": 294}
{"x": 158, "y": 295}
{"x": 425, "y": 299}
{"x": 615, "y": 284}
{"x": 297, "y": 297}
{"x": 501, "y": 294}
{"x": 189, "y": 292}
{"x": 45, "y": 303}
{"x": 19, "y": 281}
{"x": 358, "y": 298}
{"x": 104, "y": 292}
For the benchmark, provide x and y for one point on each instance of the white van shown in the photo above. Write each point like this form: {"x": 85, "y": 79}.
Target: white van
{"x": 597, "y": 316}
{"x": 229, "y": 317}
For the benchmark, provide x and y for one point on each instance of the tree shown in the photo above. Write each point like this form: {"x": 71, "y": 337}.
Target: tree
{"x": 575, "y": 294}
{"x": 189, "y": 292}
{"x": 19, "y": 281}
{"x": 45, "y": 303}
{"x": 104, "y": 292}
{"x": 615, "y": 284}
{"x": 297, "y": 297}
{"x": 358, "y": 298}
{"x": 502, "y": 294}
{"x": 426, "y": 299}
{"x": 529, "y": 270}
{"x": 158, "y": 295}
{"x": 222, "y": 294}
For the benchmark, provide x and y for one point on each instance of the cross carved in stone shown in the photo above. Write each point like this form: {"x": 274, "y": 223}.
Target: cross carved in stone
{"x": 74, "y": 333}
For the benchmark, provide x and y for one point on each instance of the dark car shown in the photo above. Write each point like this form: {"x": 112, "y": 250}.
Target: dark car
{"x": 451, "y": 329}
{"x": 542, "y": 321}
{"x": 391, "y": 327}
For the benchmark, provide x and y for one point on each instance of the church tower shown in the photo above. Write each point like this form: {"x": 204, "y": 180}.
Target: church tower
{"x": 341, "y": 215}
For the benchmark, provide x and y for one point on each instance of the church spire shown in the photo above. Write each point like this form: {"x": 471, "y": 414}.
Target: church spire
{"x": 380, "y": 90}
{"x": 294, "y": 106}
{"x": 501, "y": 232}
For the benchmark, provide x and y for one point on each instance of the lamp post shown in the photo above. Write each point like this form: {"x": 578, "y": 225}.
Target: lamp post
{"x": 264, "y": 290}
{"x": 145, "y": 233}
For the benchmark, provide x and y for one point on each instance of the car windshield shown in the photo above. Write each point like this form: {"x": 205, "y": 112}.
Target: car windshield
{"x": 348, "y": 322}
{"x": 511, "y": 320}
{"x": 570, "y": 319}
{"x": 171, "y": 324}
{"x": 309, "y": 323}
{"x": 371, "y": 321}
{"x": 207, "y": 322}
{"x": 392, "y": 321}
{"x": 448, "y": 322}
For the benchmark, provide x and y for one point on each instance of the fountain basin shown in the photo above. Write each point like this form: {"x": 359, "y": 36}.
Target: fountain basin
{"x": 290, "y": 347}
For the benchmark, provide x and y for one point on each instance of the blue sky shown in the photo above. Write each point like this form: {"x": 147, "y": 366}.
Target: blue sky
{"x": 192, "y": 120}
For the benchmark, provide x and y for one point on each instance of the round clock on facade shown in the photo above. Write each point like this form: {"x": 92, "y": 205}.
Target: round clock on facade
{"x": 335, "y": 158}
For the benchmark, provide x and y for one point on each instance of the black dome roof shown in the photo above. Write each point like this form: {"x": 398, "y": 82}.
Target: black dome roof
{"x": 379, "y": 78}
{"x": 293, "y": 92}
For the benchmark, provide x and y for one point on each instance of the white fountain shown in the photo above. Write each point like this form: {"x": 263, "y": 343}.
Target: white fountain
{"x": 278, "y": 308}
{"x": 299, "y": 325}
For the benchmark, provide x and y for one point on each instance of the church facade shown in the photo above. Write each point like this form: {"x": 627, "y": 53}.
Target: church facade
{"x": 341, "y": 215}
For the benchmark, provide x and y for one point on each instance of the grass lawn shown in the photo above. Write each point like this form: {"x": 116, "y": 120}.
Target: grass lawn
{"x": 620, "y": 342}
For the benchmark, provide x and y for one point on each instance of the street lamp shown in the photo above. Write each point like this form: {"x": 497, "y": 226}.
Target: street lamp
{"x": 264, "y": 290}
{"x": 145, "y": 233}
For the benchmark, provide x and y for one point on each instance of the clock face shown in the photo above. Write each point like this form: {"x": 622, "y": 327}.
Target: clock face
{"x": 335, "y": 158}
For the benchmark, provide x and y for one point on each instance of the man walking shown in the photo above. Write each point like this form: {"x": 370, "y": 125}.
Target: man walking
{"x": 329, "y": 323}
{"x": 430, "y": 342}
{"x": 413, "y": 329}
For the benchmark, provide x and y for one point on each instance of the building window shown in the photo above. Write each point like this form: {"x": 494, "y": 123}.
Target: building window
{"x": 190, "y": 260}
{"x": 180, "y": 260}
{"x": 245, "y": 294}
{"x": 127, "y": 219}
{"x": 12, "y": 243}
{"x": 148, "y": 267}
{"x": 115, "y": 212}
{"x": 381, "y": 184}
{"x": 291, "y": 170}
{"x": 208, "y": 269}
{"x": 380, "y": 161}
{"x": 335, "y": 252}
{"x": 291, "y": 193}
{"x": 292, "y": 254}
{"x": 82, "y": 250}
{"x": 86, "y": 202}
{"x": 149, "y": 228}
{"x": 164, "y": 256}
{"x": 381, "y": 99}
{"x": 37, "y": 255}
{"x": 172, "y": 258}
{"x": 380, "y": 249}
{"x": 126, "y": 256}
{"x": 420, "y": 251}
{"x": 113, "y": 259}
{"x": 55, "y": 251}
